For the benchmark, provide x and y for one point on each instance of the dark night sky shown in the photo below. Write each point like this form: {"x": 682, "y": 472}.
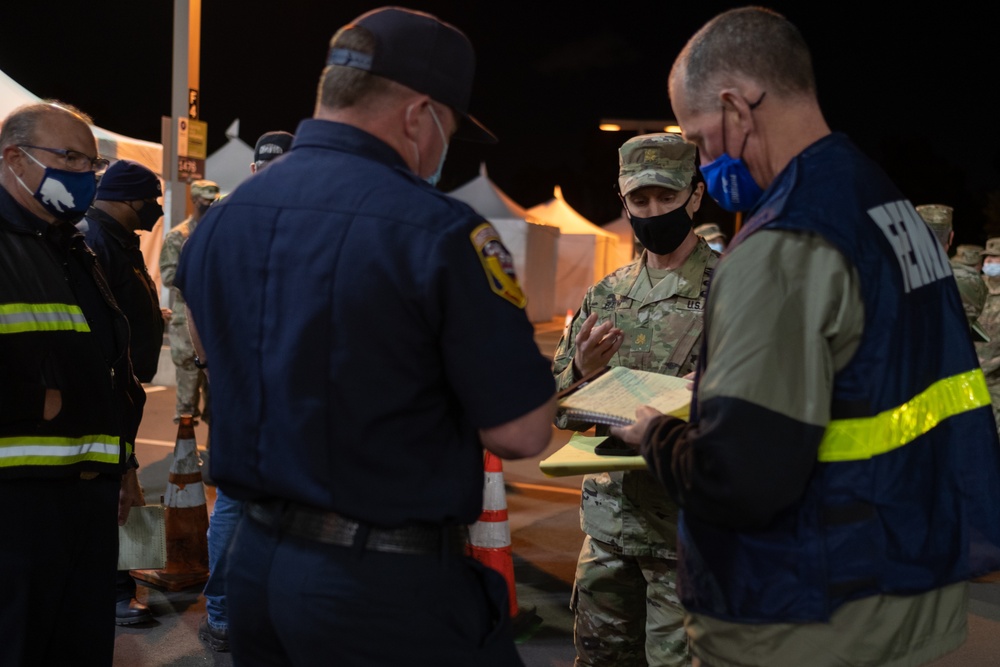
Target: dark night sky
{"x": 911, "y": 87}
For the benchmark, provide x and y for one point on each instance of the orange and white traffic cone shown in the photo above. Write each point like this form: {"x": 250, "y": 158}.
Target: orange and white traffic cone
{"x": 489, "y": 539}
{"x": 186, "y": 517}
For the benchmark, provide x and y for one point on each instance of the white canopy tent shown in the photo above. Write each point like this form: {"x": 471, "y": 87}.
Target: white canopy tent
{"x": 230, "y": 165}
{"x": 627, "y": 243}
{"x": 533, "y": 245}
{"x": 587, "y": 253}
{"x": 110, "y": 144}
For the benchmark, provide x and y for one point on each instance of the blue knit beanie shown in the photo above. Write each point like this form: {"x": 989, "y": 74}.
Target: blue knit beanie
{"x": 126, "y": 180}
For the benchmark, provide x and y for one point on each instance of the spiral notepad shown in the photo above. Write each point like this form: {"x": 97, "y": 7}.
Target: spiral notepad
{"x": 613, "y": 396}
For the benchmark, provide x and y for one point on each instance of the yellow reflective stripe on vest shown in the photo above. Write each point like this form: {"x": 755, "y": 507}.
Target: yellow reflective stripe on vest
{"x": 55, "y": 451}
{"x": 859, "y": 439}
{"x": 21, "y": 317}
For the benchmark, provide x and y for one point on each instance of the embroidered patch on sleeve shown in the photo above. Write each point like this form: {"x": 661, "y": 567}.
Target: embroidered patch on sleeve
{"x": 498, "y": 264}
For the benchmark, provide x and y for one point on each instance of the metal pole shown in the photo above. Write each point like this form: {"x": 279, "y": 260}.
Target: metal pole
{"x": 184, "y": 78}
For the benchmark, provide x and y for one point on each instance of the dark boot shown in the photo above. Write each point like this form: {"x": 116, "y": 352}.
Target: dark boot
{"x": 131, "y": 611}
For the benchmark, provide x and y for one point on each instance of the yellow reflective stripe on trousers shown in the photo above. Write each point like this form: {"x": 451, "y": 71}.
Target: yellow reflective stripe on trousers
{"x": 55, "y": 451}
{"x": 21, "y": 317}
{"x": 863, "y": 438}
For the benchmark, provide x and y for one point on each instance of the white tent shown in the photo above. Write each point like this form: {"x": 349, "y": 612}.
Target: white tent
{"x": 230, "y": 165}
{"x": 627, "y": 244}
{"x": 110, "y": 144}
{"x": 534, "y": 246}
{"x": 587, "y": 253}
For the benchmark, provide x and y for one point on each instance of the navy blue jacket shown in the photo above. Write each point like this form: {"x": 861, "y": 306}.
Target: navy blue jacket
{"x": 360, "y": 326}
{"x": 118, "y": 252}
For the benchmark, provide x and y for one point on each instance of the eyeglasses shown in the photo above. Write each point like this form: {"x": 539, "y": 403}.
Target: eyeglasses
{"x": 75, "y": 160}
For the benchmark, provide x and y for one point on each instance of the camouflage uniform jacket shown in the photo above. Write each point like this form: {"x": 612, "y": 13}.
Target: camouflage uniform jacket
{"x": 169, "y": 256}
{"x": 662, "y": 325}
{"x": 989, "y": 353}
{"x": 971, "y": 288}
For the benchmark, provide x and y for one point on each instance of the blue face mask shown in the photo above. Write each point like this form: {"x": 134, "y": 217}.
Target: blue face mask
{"x": 434, "y": 178}
{"x": 728, "y": 179}
{"x": 716, "y": 246}
{"x": 991, "y": 270}
{"x": 65, "y": 194}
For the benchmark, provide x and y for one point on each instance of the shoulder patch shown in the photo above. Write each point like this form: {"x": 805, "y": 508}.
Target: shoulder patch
{"x": 498, "y": 264}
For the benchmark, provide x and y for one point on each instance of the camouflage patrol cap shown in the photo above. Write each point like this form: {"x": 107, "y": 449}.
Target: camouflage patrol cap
{"x": 205, "y": 189}
{"x": 661, "y": 159}
{"x": 970, "y": 255}
{"x": 992, "y": 247}
{"x": 709, "y": 231}
{"x": 937, "y": 216}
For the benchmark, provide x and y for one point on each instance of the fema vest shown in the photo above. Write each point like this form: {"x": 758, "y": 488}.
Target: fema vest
{"x": 904, "y": 496}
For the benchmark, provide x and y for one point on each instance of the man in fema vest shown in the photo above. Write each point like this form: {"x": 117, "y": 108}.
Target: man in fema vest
{"x": 839, "y": 478}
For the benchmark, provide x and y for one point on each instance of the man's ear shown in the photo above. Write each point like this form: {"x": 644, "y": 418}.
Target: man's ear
{"x": 412, "y": 116}
{"x": 734, "y": 99}
{"x": 14, "y": 158}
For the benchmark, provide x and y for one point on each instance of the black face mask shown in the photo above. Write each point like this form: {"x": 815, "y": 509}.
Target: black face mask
{"x": 662, "y": 234}
{"x": 148, "y": 215}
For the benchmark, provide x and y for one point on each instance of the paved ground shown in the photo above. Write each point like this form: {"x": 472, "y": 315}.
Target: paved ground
{"x": 545, "y": 536}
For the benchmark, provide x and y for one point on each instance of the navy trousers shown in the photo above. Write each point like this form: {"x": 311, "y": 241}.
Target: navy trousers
{"x": 57, "y": 571}
{"x": 298, "y": 602}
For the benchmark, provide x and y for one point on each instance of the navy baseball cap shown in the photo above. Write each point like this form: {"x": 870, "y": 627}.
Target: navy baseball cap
{"x": 271, "y": 145}
{"x": 421, "y": 52}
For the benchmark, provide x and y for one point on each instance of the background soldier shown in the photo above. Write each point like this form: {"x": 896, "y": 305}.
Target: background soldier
{"x": 192, "y": 386}
{"x": 989, "y": 320}
{"x": 970, "y": 283}
{"x": 713, "y": 236}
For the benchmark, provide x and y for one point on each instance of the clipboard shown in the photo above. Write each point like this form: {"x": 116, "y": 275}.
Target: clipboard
{"x": 577, "y": 457}
{"x": 142, "y": 541}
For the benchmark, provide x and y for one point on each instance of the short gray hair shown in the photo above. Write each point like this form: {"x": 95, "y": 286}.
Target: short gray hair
{"x": 750, "y": 42}
{"x": 19, "y": 126}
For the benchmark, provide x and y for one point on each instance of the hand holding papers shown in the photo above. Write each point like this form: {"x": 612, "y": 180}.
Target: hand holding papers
{"x": 612, "y": 396}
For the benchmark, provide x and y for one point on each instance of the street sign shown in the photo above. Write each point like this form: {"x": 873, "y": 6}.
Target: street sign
{"x": 190, "y": 169}
{"x": 182, "y": 136}
{"x": 197, "y": 139}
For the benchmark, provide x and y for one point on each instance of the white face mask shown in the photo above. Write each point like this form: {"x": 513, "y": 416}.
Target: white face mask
{"x": 991, "y": 270}
{"x": 436, "y": 176}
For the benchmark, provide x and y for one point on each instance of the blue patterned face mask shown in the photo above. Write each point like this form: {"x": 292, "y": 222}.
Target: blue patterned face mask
{"x": 436, "y": 176}
{"x": 65, "y": 194}
{"x": 728, "y": 179}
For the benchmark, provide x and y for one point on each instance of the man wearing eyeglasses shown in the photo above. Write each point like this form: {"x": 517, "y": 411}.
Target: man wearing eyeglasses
{"x": 69, "y": 401}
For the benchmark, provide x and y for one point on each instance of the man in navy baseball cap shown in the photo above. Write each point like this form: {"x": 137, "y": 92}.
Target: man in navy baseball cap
{"x": 339, "y": 240}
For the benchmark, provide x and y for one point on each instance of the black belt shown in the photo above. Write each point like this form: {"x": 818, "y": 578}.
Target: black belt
{"x": 331, "y": 528}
